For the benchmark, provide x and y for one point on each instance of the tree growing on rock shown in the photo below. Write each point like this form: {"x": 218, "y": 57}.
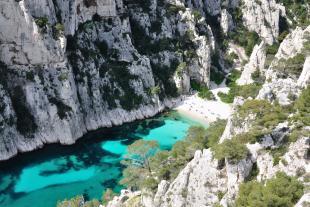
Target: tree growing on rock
{"x": 139, "y": 153}
{"x": 138, "y": 172}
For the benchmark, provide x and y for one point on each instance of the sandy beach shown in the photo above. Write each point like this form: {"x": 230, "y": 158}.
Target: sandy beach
{"x": 203, "y": 110}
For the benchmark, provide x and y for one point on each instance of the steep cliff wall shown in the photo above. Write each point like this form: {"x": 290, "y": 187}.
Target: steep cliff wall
{"x": 68, "y": 67}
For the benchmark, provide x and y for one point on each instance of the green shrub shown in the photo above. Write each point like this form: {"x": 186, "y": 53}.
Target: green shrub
{"x": 174, "y": 9}
{"x": 163, "y": 76}
{"x": 297, "y": 133}
{"x": 277, "y": 153}
{"x": 282, "y": 36}
{"x": 253, "y": 174}
{"x": 62, "y": 109}
{"x": 297, "y": 11}
{"x": 59, "y": 29}
{"x": 272, "y": 49}
{"x": 232, "y": 77}
{"x": 250, "y": 90}
{"x": 180, "y": 69}
{"x": 232, "y": 149}
{"x": 63, "y": 77}
{"x": 249, "y": 42}
{"x": 230, "y": 58}
{"x": 217, "y": 77}
{"x": 231, "y": 82}
{"x": 167, "y": 164}
{"x": 103, "y": 47}
{"x": 258, "y": 77}
{"x": 41, "y": 21}
{"x": 280, "y": 191}
{"x": 77, "y": 201}
{"x": 226, "y": 98}
{"x": 154, "y": 90}
{"x": 214, "y": 132}
{"x": 291, "y": 66}
{"x": 302, "y": 106}
{"x": 203, "y": 91}
{"x": 266, "y": 114}
{"x": 197, "y": 15}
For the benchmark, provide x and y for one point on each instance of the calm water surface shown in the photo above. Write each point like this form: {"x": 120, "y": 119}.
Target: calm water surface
{"x": 41, "y": 178}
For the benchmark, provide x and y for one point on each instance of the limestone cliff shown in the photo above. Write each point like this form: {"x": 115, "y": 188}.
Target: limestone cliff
{"x": 68, "y": 67}
{"x": 206, "y": 181}
{"x": 86, "y": 64}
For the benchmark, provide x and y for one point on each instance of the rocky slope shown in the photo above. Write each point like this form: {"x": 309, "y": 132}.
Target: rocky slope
{"x": 206, "y": 181}
{"x": 68, "y": 67}
{"x": 90, "y": 64}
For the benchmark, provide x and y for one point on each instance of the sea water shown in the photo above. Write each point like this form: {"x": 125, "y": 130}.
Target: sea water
{"x": 43, "y": 177}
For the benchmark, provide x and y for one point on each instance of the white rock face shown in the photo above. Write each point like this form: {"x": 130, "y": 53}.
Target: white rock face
{"x": 75, "y": 12}
{"x": 265, "y": 166}
{"x": 256, "y": 62}
{"x": 21, "y": 40}
{"x": 236, "y": 174}
{"x": 200, "y": 175}
{"x": 213, "y": 6}
{"x": 296, "y": 161}
{"x": 304, "y": 78}
{"x": 230, "y": 129}
{"x": 126, "y": 196}
{"x": 263, "y": 17}
{"x": 293, "y": 43}
{"x": 71, "y": 88}
{"x": 199, "y": 69}
{"x": 280, "y": 88}
{"x": 227, "y": 23}
{"x": 182, "y": 82}
{"x": 304, "y": 201}
{"x": 293, "y": 163}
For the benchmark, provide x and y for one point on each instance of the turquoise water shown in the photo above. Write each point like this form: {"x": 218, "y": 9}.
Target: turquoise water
{"x": 56, "y": 172}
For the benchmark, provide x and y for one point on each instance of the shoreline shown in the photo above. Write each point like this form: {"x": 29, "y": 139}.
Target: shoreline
{"x": 202, "y": 110}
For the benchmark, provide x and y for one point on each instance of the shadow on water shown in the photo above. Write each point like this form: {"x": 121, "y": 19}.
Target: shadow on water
{"x": 86, "y": 148}
{"x": 85, "y": 153}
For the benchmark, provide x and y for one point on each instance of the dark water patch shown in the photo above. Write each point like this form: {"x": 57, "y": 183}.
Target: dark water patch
{"x": 110, "y": 183}
{"x": 88, "y": 167}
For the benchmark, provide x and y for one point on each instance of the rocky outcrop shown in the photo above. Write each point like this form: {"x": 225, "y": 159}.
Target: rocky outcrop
{"x": 293, "y": 43}
{"x": 256, "y": 62}
{"x": 21, "y": 40}
{"x": 304, "y": 78}
{"x": 279, "y": 86}
{"x": 213, "y": 7}
{"x": 202, "y": 174}
{"x": 304, "y": 201}
{"x": 126, "y": 198}
{"x": 231, "y": 127}
{"x": 227, "y": 23}
{"x": 263, "y": 17}
{"x": 74, "y": 66}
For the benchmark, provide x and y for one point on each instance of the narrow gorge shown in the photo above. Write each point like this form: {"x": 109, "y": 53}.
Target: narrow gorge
{"x": 238, "y": 69}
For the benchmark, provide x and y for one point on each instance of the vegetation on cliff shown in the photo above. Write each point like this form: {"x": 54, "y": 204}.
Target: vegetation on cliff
{"x": 280, "y": 191}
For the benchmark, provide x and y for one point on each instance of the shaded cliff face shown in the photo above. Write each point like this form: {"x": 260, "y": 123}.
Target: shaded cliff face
{"x": 68, "y": 67}
{"x": 72, "y": 66}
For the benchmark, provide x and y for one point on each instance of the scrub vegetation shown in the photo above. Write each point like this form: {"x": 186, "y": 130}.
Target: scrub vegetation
{"x": 246, "y": 91}
{"x": 166, "y": 164}
{"x": 280, "y": 191}
{"x": 203, "y": 91}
